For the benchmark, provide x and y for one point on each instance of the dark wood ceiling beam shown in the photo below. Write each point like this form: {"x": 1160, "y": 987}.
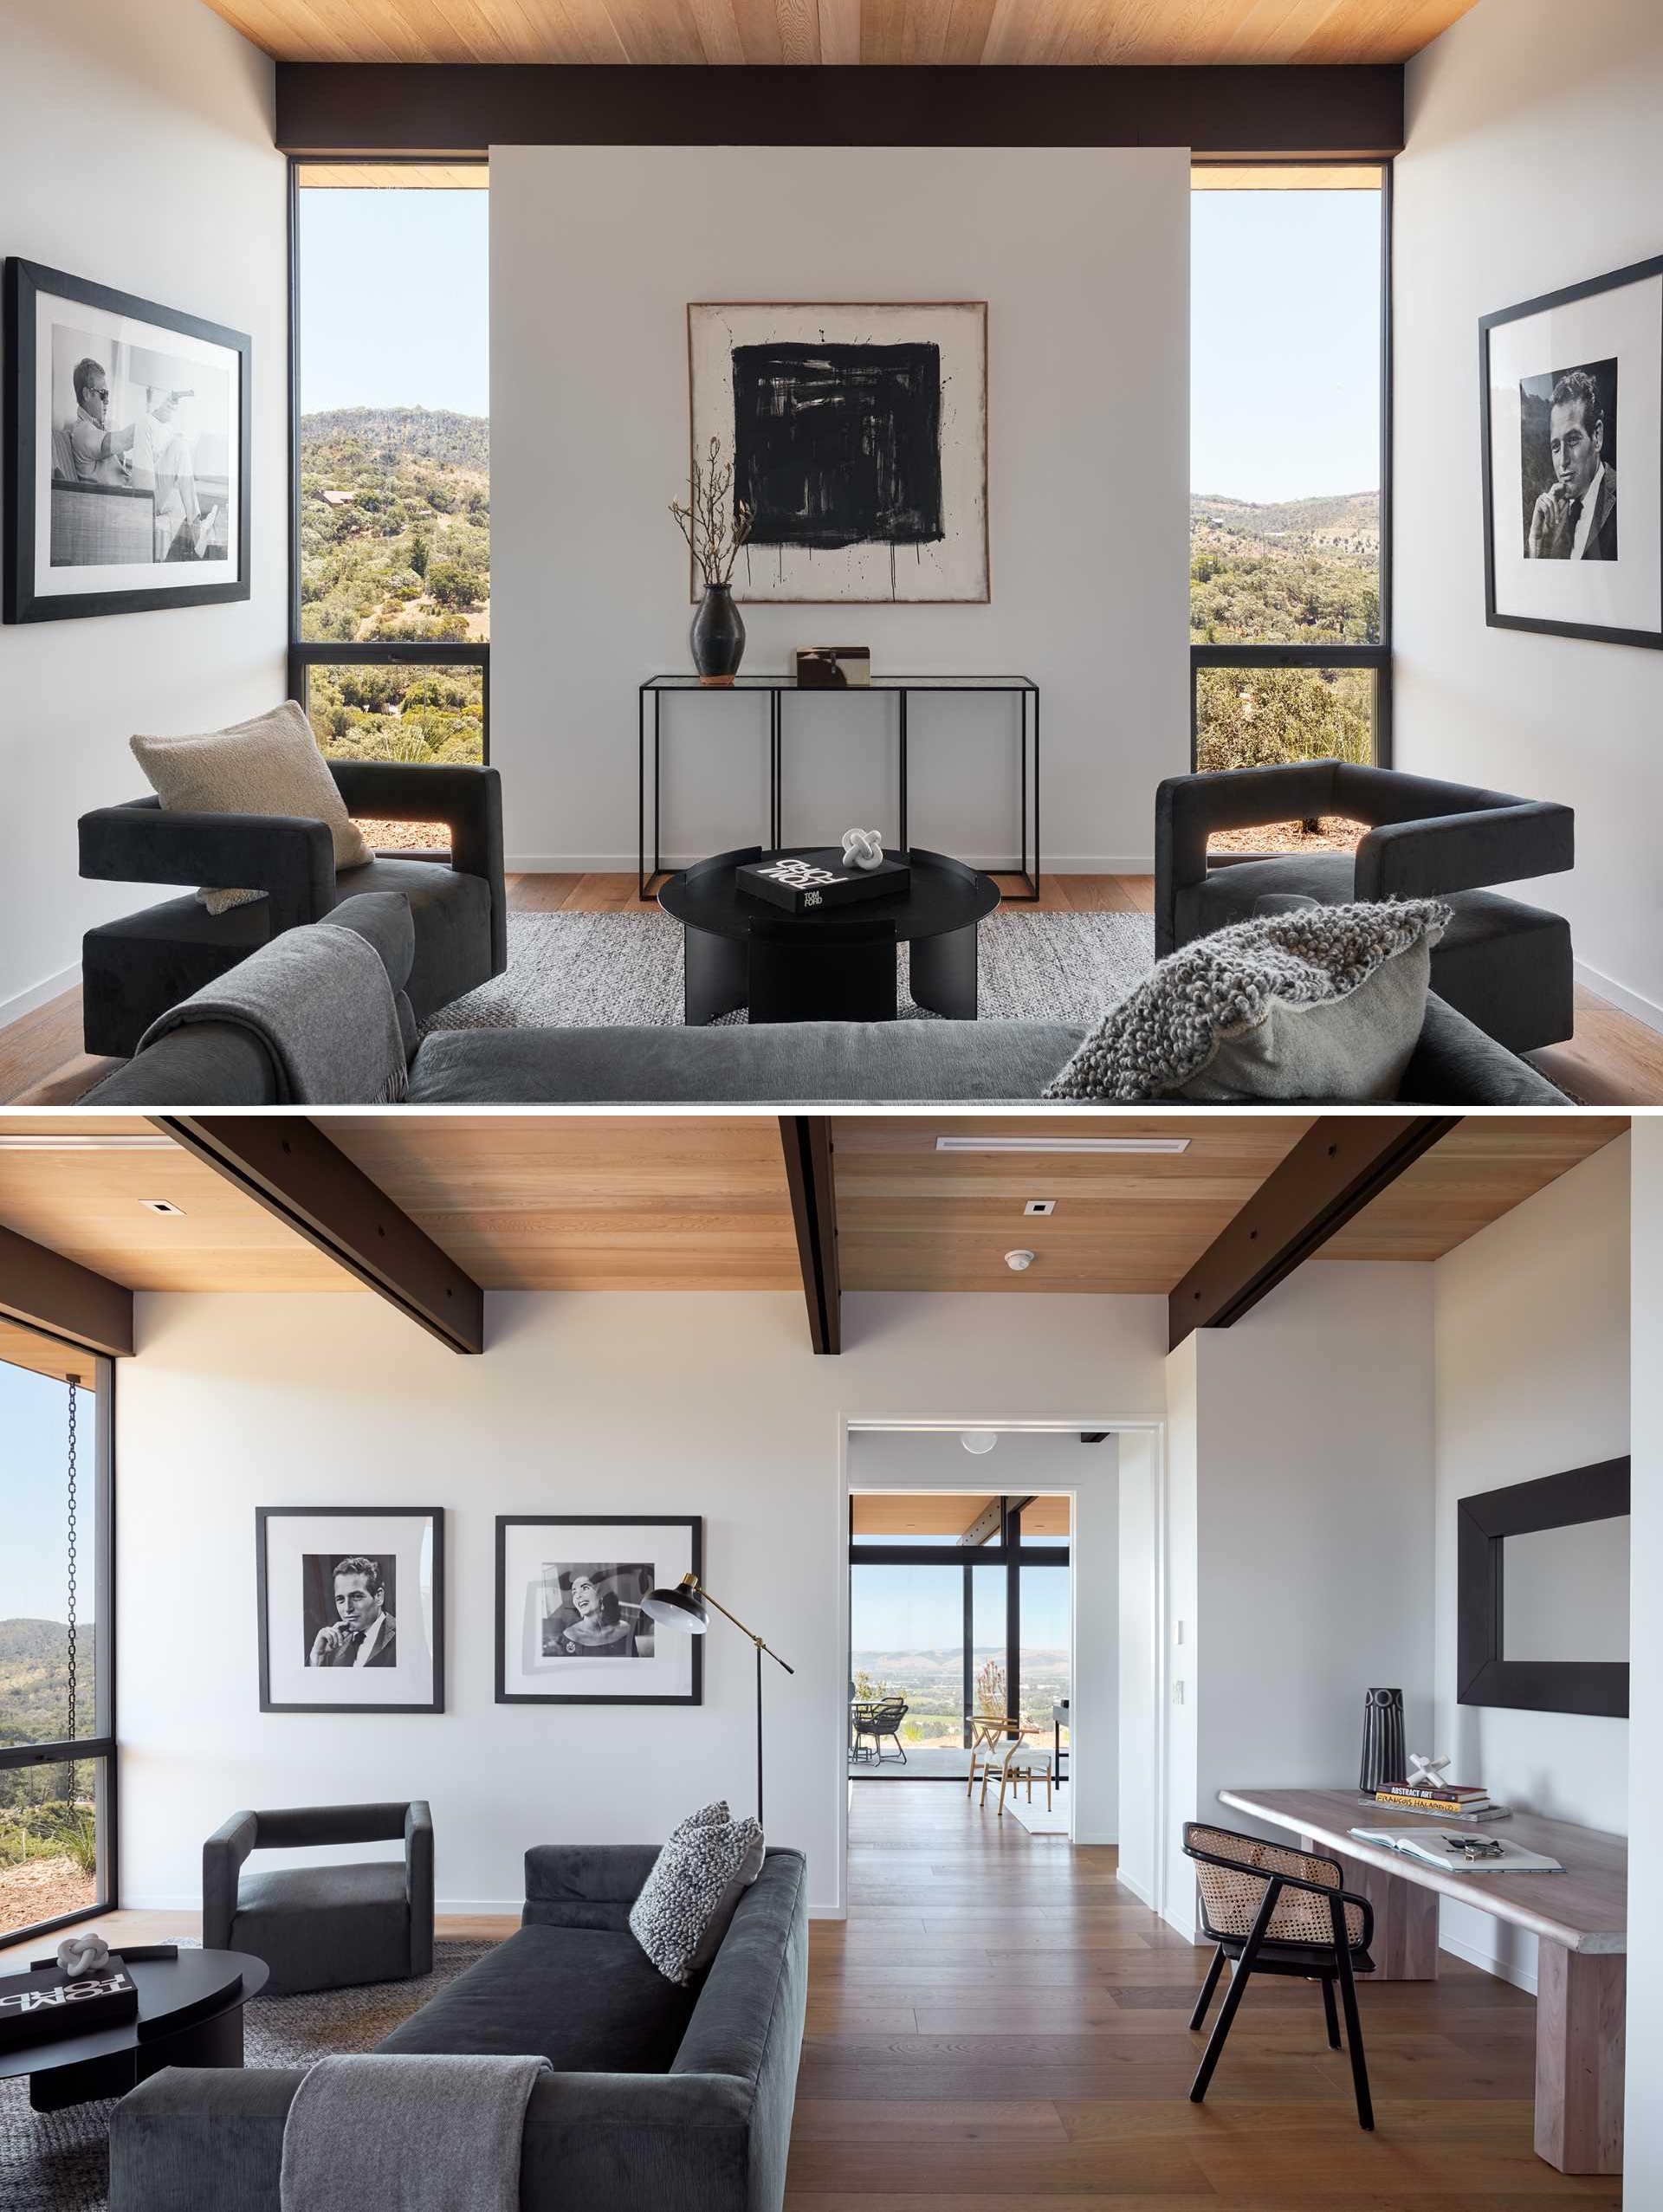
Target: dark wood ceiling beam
{"x": 286, "y": 1164}
{"x": 42, "y": 1288}
{"x": 328, "y": 109}
{"x": 1342, "y": 1162}
{"x": 805, "y": 1140}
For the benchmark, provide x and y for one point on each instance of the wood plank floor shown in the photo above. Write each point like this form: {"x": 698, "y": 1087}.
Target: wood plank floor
{"x": 1612, "y": 1061}
{"x": 999, "y": 2024}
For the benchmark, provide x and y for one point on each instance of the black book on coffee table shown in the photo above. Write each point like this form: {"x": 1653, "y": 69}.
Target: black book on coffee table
{"x": 47, "y": 2002}
{"x": 810, "y": 883}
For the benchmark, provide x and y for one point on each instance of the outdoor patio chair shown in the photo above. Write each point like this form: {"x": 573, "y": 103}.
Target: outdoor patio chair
{"x": 878, "y": 1720}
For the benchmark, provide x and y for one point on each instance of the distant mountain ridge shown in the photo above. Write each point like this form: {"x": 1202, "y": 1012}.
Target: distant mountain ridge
{"x": 34, "y": 1679}
{"x": 1337, "y": 514}
{"x": 433, "y": 433}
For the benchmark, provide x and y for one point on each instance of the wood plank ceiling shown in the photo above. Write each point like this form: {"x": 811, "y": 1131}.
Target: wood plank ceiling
{"x": 843, "y": 31}
{"x": 700, "y": 1202}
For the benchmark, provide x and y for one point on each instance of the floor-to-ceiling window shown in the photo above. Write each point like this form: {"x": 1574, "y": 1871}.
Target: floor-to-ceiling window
{"x": 1290, "y": 473}
{"x": 57, "y": 1705}
{"x": 958, "y": 1606}
{"x": 390, "y": 446}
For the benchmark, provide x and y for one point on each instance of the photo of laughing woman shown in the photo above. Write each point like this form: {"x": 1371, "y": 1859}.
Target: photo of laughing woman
{"x": 594, "y": 1611}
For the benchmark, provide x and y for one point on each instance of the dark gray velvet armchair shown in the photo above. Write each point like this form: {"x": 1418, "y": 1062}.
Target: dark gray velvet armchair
{"x": 1504, "y": 964}
{"x": 135, "y": 968}
{"x": 324, "y": 1927}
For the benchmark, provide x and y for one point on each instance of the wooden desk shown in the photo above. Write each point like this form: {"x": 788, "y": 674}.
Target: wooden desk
{"x": 1579, "y": 1918}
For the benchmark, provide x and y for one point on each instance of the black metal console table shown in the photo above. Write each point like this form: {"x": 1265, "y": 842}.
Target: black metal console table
{"x": 1022, "y": 687}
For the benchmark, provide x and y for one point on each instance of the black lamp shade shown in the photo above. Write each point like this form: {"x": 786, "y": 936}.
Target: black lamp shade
{"x": 678, "y": 1609}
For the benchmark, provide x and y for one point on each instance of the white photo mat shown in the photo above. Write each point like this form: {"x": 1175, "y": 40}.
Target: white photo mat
{"x": 210, "y": 422}
{"x": 287, "y": 1538}
{"x": 1624, "y": 324}
{"x": 528, "y": 1551}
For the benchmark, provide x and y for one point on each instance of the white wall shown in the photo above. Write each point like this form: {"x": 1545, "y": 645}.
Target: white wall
{"x": 1140, "y": 1809}
{"x": 136, "y": 150}
{"x": 1643, "y": 2141}
{"x": 1534, "y": 161}
{"x": 1083, "y": 256}
{"x": 1532, "y": 1366}
{"x": 699, "y": 1403}
{"x": 1310, "y": 1425}
{"x": 1021, "y": 1463}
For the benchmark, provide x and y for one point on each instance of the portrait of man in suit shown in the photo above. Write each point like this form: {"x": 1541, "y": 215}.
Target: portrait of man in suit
{"x": 363, "y": 1633}
{"x": 1575, "y": 517}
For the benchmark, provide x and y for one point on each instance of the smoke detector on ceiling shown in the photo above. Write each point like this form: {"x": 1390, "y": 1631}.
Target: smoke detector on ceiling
{"x": 979, "y": 1441}
{"x": 1019, "y": 1262}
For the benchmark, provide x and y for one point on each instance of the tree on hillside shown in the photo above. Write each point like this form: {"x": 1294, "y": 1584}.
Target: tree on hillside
{"x": 453, "y": 584}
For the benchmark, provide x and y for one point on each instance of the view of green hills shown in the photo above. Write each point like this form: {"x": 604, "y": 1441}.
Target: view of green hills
{"x": 48, "y": 1835}
{"x": 396, "y": 543}
{"x": 932, "y": 1682}
{"x": 1304, "y": 573}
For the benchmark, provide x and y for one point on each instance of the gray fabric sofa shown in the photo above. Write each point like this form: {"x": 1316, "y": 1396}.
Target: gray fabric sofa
{"x": 135, "y": 968}
{"x": 324, "y": 1927}
{"x": 679, "y": 2100}
{"x": 1503, "y": 964}
{"x": 784, "y": 1063}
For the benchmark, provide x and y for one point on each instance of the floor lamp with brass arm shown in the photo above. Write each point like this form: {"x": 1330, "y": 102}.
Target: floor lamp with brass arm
{"x": 685, "y": 1608}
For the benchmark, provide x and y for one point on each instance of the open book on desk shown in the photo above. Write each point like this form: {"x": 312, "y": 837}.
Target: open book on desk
{"x": 1460, "y": 1851}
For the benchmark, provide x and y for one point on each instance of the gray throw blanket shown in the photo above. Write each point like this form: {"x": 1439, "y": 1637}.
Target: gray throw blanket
{"x": 422, "y": 2134}
{"x": 321, "y": 1001}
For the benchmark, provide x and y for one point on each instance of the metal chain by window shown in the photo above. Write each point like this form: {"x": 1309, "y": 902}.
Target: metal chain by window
{"x": 71, "y": 1730}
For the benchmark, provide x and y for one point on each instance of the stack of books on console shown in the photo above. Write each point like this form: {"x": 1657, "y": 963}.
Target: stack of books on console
{"x": 1450, "y": 1800}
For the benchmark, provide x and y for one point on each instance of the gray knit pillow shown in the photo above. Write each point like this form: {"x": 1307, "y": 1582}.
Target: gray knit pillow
{"x": 1324, "y": 1004}
{"x": 688, "y": 1899}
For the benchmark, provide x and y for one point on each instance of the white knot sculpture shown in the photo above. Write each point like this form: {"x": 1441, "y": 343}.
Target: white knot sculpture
{"x": 1427, "y": 1774}
{"x": 83, "y": 1954}
{"x": 863, "y": 848}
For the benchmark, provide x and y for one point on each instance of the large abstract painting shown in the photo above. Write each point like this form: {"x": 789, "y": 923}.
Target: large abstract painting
{"x": 859, "y": 441}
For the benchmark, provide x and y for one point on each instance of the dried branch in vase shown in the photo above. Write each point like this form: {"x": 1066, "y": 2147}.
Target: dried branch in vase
{"x": 714, "y": 523}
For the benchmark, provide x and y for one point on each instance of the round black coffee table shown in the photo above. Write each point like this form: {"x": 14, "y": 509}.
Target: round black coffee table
{"x": 838, "y": 966}
{"x": 189, "y": 2014}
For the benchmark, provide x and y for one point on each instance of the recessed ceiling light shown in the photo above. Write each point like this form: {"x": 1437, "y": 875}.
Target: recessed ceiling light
{"x": 1038, "y": 1205}
{"x": 86, "y": 1144}
{"x": 979, "y": 1439}
{"x": 160, "y": 1205}
{"x": 1062, "y": 1144}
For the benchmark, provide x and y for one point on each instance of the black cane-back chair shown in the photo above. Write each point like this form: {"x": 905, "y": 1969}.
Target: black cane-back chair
{"x": 1272, "y": 1909}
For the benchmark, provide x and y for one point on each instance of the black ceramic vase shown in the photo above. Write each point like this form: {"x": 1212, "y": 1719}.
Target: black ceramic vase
{"x": 1384, "y": 1766}
{"x": 717, "y": 636}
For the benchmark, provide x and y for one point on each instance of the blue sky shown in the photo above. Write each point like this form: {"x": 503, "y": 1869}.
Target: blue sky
{"x": 394, "y": 300}
{"x": 1284, "y": 336}
{"x": 34, "y": 1423}
{"x": 922, "y": 1608}
{"x": 1285, "y": 325}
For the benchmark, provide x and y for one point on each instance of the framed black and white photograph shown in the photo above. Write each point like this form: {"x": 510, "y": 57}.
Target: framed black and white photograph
{"x": 571, "y": 1624}
{"x": 126, "y": 438}
{"x": 858, "y": 438}
{"x": 1571, "y": 386}
{"x": 351, "y": 1603}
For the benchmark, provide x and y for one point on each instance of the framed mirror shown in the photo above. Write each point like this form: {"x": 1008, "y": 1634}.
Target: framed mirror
{"x": 1542, "y": 1571}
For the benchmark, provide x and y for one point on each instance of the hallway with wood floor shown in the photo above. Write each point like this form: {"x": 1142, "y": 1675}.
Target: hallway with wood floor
{"x": 1000, "y": 2024}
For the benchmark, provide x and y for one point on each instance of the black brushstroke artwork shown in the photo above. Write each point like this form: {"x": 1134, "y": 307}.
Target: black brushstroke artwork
{"x": 840, "y": 445}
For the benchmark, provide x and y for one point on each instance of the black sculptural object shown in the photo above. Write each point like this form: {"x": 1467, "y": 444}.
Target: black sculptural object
{"x": 1383, "y": 1763}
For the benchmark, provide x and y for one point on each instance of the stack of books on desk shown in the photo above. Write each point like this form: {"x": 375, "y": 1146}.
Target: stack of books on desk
{"x": 1454, "y": 1800}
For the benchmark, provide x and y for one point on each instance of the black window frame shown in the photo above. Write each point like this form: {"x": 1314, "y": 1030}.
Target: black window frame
{"x": 102, "y": 1747}
{"x": 1007, "y": 1551}
{"x": 1377, "y": 657}
{"x": 305, "y": 654}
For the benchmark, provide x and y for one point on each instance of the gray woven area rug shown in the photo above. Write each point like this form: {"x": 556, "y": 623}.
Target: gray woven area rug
{"x": 587, "y": 970}
{"x": 58, "y": 2162}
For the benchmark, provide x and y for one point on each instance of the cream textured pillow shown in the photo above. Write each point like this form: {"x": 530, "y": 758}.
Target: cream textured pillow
{"x": 268, "y": 764}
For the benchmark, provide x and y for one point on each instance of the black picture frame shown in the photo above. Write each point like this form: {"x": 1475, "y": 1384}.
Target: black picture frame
{"x": 1598, "y": 1493}
{"x": 1617, "y": 280}
{"x": 20, "y": 597}
{"x": 692, "y": 1524}
{"x": 263, "y": 1515}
